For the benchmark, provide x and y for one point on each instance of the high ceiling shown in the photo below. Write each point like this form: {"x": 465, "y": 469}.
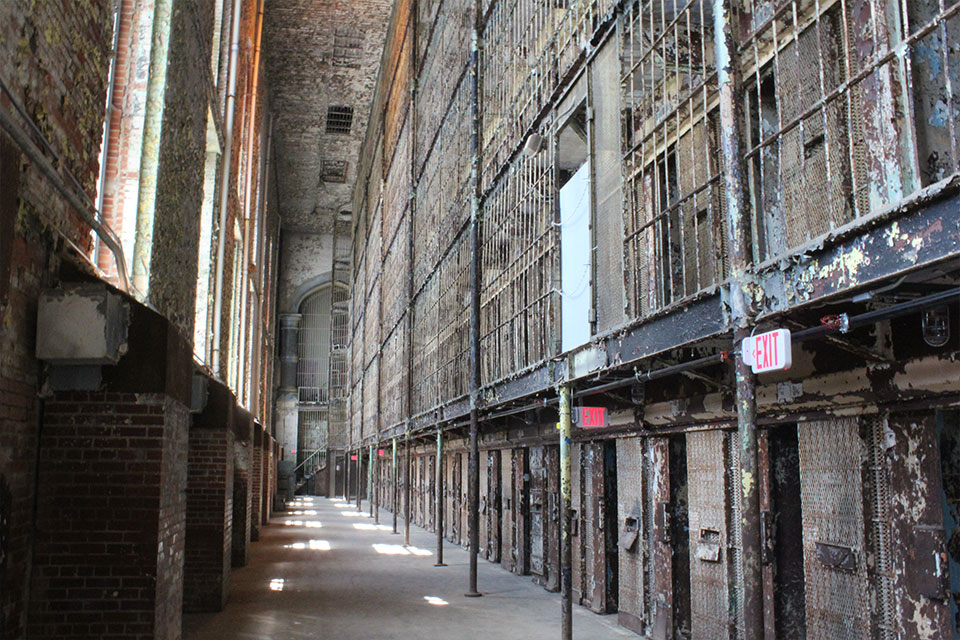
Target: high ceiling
{"x": 321, "y": 63}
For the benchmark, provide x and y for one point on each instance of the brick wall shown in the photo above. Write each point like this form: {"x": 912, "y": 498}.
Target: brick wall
{"x": 241, "y": 503}
{"x": 111, "y": 507}
{"x": 64, "y": 95}
{"x": 256, "y": 483}
{"x": 209, "y": 518}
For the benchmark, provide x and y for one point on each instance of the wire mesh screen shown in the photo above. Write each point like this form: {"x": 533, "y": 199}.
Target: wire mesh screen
{"x": 453, "y": 316}
{"x": 850, "y": 107}
{"x": 673, "y": 221}
{"x": 339, "y": 366}
{"x": 311, "y": 432}
{"x": 313, "y": 368}
{"x": 518, "y": 297}
{"x": 393, "y": 378}
{"x": 425, "y": 347}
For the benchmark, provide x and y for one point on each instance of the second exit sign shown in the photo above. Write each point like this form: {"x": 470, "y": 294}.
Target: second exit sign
{"x": 591, "y": 417}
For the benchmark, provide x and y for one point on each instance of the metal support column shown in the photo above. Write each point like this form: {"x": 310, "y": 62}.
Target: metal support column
{"x": 346, "y": 476}
{"x": 473, "y": 471}
{"x": 359, "y": 478}
{"x": 438, "y": 498}
{"x": 406, "y": 490}
{"x": 370, "y": 480}
{"x": 376, "y": 487}
{"x": 393, "y": 489}
{"x": 738, "y": 236}
{"x": 566, "y": 521}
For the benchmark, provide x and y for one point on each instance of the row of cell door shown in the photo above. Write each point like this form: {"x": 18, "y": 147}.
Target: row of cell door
{"x": 858, "y": 520}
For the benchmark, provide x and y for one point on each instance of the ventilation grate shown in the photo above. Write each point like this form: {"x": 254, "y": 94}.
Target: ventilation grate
{"x": 333, "y": 171}
{"x": 339, "y": 119}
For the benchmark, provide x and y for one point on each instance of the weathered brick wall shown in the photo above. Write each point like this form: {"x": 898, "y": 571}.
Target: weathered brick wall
{"x": 173, "y": 269}
{"x": 241, "y": 503}
{"x": 64, "y": 95}
{"x": 110, "y": 517}
{"x": 209, "y": 519}
{"x": 256, "y": 483}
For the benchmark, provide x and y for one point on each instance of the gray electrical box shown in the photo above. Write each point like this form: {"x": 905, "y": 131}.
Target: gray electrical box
{"x": 82, "y": 325}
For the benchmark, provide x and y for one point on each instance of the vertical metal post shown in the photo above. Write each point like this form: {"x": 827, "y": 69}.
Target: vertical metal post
{"x": 359, "y": 477}
{"x": 438, "y": 498}
{"x": 376, "y": 488}
{"x": 738, "y": 231}
{"x": 395, "y": 497}
{"x": 346, "y": 476}
{"x": 566, "y": 541}
{"x": 370, "y": 480}
{"x": 406, "y": 490}
{"x": 473, "y": 472}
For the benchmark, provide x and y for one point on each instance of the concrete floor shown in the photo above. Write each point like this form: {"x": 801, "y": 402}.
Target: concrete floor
{"x": 324, "y": 570}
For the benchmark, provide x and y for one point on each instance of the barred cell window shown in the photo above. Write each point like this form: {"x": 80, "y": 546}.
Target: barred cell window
{"x": 333, "y": 171}
{"x": 347, "y": 47}
{"x": 339, "y": 119}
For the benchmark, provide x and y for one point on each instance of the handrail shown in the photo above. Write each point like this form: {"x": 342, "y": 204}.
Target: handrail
{"x": 308, "y": 459}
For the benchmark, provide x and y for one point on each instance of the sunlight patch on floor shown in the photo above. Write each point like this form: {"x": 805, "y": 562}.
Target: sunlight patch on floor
{"x": 366, "y": 526}
{"x": 313, "y": 545}
{"x": 309, "y": 524}
{"x": 434, "y": 600}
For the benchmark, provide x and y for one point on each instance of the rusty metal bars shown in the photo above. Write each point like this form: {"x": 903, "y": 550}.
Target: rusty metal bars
{"x": 673, "y": 218}
{"x": 518, "y": 298}
{"x": 850, "y": 109}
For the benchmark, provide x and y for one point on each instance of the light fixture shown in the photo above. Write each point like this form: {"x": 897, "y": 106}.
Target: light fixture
{"x": 535, "y": 144}
{"x": 935, "y": 324}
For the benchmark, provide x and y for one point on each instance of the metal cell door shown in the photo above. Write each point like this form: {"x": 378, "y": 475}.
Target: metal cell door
{"x": 660, "y": 562}
{"x": 593, "y": 579}
{"x": 630, "y": 491}
{"x": 522, "y": 516}
{"x": 493, "y": 505}
{"x": 552, "y": 517}
{"x": 708, "y": 543}
{"x": 508, "y": 555}
{"x": 538, "y": 485}
{"x": 835, "y": 568}
{"x": 455, "y": 506}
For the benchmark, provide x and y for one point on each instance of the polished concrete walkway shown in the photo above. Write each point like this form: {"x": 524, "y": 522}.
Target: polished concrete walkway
{"x": 326, "y": 571}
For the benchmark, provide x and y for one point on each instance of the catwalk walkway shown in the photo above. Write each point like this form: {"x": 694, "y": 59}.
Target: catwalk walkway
{"x": 325, "y": 570}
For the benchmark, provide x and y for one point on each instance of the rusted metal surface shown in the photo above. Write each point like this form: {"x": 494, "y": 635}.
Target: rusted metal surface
{"x": 708, "y": 511}
{"x": 632, "y": 540}
{"x": 924, "y": 237}
{"x": 438, "y": 487}
{"x": 920, "y": 556}
{"x": 566, "y": 520}
{"x": 838, "y": 600}
{"x": 659, "y": 567}
{"x": 494, "y": 501}
{"x": 539, "y": 541}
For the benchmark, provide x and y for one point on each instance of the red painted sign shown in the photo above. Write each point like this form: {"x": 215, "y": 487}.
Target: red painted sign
{"x": 593, "y": 417}
{"x": 380, "y": 452}
{"x": 353, "y": 457}
{"x": 769, "y": 351}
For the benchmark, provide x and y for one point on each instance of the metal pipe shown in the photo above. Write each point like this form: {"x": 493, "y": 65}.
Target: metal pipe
{"x": 346, "y": 476}
{"x": 406, "y": 490}
{"x": 84, "y": 209}
{"x": 243, "y": 380}
{"x": 473, "y": 475}
{"x": 370, "y": 481}
{"x": 438, "y": 498}
{"x": 566, "y": 520}
{"x": 393, "y": 489}
{"x": 225, "y": 181}
{"x": 359, "y": 478}
{"x": 738, "y": 241}
{"x": 150, "y": 151}
{"x": 107, "y": 121}
{"x": 376, "y": 489}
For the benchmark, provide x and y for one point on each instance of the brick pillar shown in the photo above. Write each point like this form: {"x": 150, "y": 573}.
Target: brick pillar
{"x": 242, "y": 499}
{"x": 209, "y": 549}
{"x": 256, "y": 481}
{"x": 111, "y": 495}
{"x": 265, "y": 500}
{"x": 110, "y": 517}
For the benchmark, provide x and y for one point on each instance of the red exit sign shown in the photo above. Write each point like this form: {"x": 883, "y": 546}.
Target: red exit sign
{"x": 353, "y": 457}
{"x": 380, "y": 452}
{"x": 769, "y": 351}
{"x": 591, "y": 417}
